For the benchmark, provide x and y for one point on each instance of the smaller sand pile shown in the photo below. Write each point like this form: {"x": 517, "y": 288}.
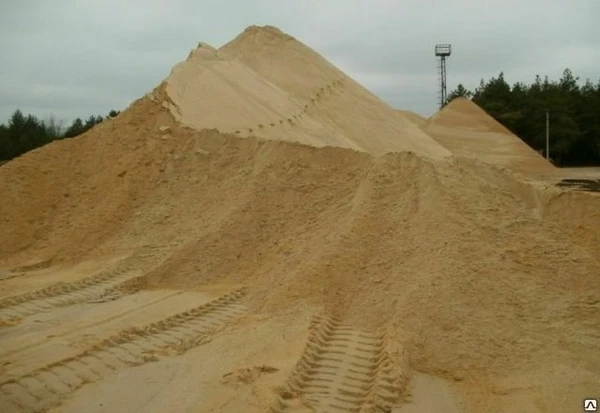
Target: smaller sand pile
{"x": 467, "y": 130}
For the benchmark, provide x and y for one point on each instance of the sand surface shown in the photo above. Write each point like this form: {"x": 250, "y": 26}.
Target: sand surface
{"x": 267, "y": 84}
{"x": 152, "y": 265}
{"x": 413, "y": 117}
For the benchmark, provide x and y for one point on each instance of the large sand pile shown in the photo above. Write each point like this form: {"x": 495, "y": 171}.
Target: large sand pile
{"x": 486, "y": 281}
{"x": 467, "y": 130}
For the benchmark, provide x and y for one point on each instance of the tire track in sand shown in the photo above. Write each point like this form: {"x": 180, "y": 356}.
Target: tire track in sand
{"x": 44, "y": 388}
{"x": 7, "y": 275}
{"x": 12, "y": 309}
{"x": 82, "y": 327}
{"x": 342, "y": 370}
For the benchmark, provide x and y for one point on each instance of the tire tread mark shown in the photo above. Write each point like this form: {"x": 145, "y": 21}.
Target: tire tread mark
{"x": 129, "y": 347}
{"x": 7, "y": 275}
{"x": 341, "y": 369}
{"x": 63, "y": 294}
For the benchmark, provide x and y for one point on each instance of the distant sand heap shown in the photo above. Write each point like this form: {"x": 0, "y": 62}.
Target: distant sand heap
{"x": 467, "y": 130}
{"x": 260, "y": 164}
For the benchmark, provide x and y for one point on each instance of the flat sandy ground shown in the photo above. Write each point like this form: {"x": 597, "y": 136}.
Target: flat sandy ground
{"x": 590, "y": 172}
{"x": 56, "y": 357}
{"x": 585, "y": 172}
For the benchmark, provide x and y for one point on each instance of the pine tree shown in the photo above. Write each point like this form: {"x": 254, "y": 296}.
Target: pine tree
{"x": 460, "y": 91}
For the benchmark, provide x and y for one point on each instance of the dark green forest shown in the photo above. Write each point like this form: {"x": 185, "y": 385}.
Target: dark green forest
{"x": 573, "y": 106}
{"x": 24, "y": 133}
{"x": 574, "y": 113}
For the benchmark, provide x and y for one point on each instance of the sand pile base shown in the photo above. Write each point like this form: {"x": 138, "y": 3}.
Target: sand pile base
{"x": 484, "y": 280}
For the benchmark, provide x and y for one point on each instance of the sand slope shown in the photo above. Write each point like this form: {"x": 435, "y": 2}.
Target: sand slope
{"x": 267, "y": 84}
{"x": 413, "y": 117}
{"x": 451, "y": 267}
{"x": 467, "y": 130}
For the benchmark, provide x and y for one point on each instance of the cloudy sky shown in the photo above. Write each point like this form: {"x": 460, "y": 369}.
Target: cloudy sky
{"x": 74, "y": 58}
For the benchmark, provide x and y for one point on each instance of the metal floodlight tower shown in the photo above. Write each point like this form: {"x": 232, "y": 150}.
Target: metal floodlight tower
{"x": 441, "y": 52}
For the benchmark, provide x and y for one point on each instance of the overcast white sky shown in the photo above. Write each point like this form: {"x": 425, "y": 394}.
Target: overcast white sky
{"x": 74, "y": 58}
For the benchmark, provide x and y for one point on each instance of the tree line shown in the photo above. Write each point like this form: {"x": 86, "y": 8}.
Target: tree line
{"x": 574, "y": 114}
{"x": 24, "y": 133}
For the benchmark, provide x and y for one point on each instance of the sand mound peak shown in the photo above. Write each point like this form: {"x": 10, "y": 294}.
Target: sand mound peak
{"x": 267, "y": 84}
{"x": 266, "y": 31}
{"x": 467, "y": 130}
{"x": 286, "y": 61}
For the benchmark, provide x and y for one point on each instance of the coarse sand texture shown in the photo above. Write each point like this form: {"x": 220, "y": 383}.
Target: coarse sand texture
{"x": 259, "y": 233}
